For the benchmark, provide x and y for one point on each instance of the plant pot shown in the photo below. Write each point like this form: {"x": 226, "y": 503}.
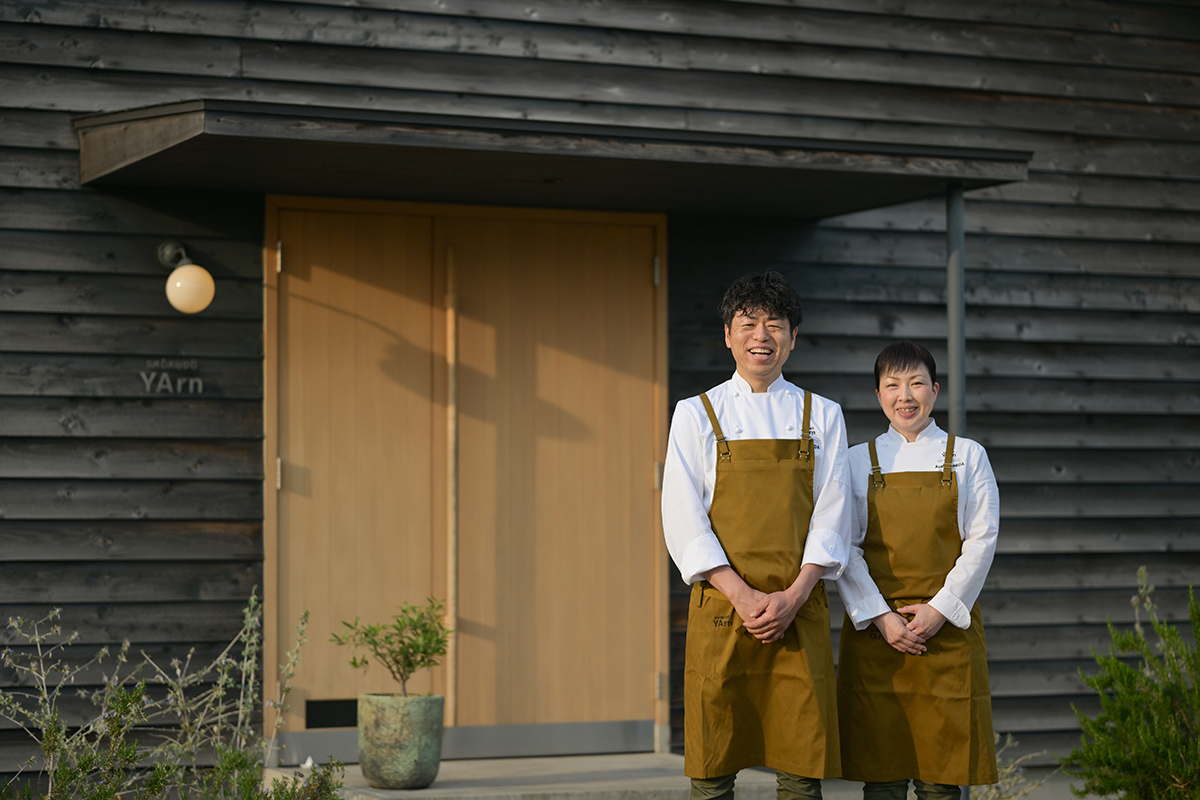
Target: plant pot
{"x": 399, "y": 740}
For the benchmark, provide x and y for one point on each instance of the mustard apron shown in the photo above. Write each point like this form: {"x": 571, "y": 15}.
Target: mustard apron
{"x": 749, "y": 704}
{"x": 927, "y": 717}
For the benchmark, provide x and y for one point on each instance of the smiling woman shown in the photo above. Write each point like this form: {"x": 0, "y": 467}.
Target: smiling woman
{"x": 925, "y": 516}
{"x": 906, "y": 385}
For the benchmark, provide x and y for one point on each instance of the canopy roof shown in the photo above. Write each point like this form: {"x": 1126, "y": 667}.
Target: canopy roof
{"x": 294, "y": 149}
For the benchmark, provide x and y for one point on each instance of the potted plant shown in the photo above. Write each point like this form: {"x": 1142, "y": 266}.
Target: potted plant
{"x": 400, "y": 737}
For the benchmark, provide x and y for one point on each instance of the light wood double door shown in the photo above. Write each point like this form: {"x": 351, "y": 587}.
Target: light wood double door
{"x": 560, "y": 409}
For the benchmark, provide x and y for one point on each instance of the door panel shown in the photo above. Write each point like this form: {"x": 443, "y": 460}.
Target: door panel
{"x": 556, "y": 456}
{"x": 357, "y": 429}
{"x": 560, "y": 417}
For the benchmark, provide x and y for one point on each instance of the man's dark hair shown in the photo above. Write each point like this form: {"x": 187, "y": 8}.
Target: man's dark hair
{"x": 901, "y": 357}
{"x": 762, "y": 291}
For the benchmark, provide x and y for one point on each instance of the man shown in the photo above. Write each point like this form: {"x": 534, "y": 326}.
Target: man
{"x": 756, "y": 513}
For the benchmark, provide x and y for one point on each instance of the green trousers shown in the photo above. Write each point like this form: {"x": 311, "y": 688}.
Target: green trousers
{"x": 898, "y": 790}
{"x": 788, "y": 787}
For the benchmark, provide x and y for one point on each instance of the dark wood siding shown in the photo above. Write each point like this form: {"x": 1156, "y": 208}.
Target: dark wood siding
{"x": 139, "y": 511}
{"x": 135, "y": 508}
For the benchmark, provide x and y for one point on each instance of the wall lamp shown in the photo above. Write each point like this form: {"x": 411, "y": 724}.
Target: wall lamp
{"x": 190, "y": 288}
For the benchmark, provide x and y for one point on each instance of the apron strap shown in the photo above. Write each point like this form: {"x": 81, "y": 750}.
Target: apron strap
{"x": 948, "y": 467}
{"x": 722, "y": 445}
{"x": 876, "y": 472}
{"x": 806, "y": 444}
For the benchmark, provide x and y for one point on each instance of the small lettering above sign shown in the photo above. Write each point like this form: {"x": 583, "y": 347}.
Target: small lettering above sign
{"x": 157, "y": 378}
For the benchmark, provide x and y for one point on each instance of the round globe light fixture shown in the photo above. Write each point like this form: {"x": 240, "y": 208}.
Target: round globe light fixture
{"x": 190, "y": 288}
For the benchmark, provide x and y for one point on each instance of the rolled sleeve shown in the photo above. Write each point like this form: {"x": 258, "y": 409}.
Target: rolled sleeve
{"x": 826, "y": 548}
{"x": 702, "y": 554}
{"x": 952, "y": 608}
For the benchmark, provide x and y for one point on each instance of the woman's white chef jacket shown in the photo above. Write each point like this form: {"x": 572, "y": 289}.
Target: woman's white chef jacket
{"x": 978, "y": 521}
{"x": 690, "y": 470}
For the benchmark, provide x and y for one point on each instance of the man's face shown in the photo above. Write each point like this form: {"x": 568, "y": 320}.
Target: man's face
{"x": 907, "y": 399}
{"x": 761, "y": 345}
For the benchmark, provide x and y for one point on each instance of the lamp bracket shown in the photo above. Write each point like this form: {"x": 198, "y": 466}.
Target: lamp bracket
{"x": 171, "y": 254}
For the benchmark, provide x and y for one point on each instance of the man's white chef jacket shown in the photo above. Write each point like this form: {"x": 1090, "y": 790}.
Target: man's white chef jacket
{"x": 978, "y": 521}
{"x": 690, "y": 470}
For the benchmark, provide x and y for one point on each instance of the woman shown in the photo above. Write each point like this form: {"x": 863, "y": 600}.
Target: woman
{"x": 913, "y": 697}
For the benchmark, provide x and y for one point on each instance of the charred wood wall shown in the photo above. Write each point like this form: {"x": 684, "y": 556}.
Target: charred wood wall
{"x": 130, "y": 434}
{"x": 139, "y": 510}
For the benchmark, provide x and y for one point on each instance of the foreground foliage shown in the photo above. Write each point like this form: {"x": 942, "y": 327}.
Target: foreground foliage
{"x": 1012, "y": 781}
{"x": 1145, "y": 743}
{"x": 185, "y": 730}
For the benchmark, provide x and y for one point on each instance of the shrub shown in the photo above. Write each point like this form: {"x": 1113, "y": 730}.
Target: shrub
{"x": 1145, "y": 743}
{"x": 204, "y": 742}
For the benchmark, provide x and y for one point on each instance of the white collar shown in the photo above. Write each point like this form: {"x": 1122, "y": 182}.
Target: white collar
{"x": 931, "y": 432}
{"x": 778, "y": 385}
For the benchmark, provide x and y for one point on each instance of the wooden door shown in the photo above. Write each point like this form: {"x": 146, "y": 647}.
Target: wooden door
{"x": 560, "y": 415}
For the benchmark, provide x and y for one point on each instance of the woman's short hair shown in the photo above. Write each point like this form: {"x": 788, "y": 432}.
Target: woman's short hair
{"x": 901, "y": 357}
{"x": 761, "y": 291}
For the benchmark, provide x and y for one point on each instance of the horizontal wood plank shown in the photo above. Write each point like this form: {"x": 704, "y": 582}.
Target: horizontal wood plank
{"x": 1003, "y": 609}
{"x": 1134, "y": 537}
{"x": 1052, "y": 467}
{"x": 128, "y": 51}
{"x": 1061, "y": 571}
{"x": 38, "y": 169}
{"x": 119, "y": 582}
{"x": 1101, "y": 16}
{"x": 129, "y": 376}
{"x": 1090, "y": 154}
{"x": 178, "y": 336}
{"x": 139, "y": 623}
{"x": 1039, "y": 678}
{"x": 147, "y": 418}
{"x": 131, "y": 540}
{"x": 1112, "y": 500}
{"x": 1087, "y": 190}
{"x": 80, "y": 46}
{"x": 695, "y": 303}
{"x": 123, "y": 254}
{"x": 834, "y": 27}
{"x": 121, "y": 458}
{"x": 773, "y": 94}
{"x": 1042, "y": 713}
{"x": 784, "y": 242}
{"x": 1061, "y": 222}
{"x": 126, "y": 499}
{"x": 51, "y": 130}
{"x": 223, "y": 215}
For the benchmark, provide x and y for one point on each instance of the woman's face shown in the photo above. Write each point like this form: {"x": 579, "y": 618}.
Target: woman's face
{"x": 907, "y": 399}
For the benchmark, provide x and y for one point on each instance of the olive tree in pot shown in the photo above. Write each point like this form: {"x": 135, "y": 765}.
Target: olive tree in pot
{"x": 400, "y": 736}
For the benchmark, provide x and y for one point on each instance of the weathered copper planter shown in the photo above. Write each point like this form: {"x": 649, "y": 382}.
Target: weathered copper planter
{"x": 399, "y": 740}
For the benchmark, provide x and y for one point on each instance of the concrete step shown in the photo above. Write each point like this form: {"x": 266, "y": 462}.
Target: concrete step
{"x": 640, "y": 776}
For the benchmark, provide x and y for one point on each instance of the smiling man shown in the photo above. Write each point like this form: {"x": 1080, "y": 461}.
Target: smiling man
{"x": 755, "y": 512}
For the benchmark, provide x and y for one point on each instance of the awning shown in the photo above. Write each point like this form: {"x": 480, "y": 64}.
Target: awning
{"x": 295, "y": 149}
